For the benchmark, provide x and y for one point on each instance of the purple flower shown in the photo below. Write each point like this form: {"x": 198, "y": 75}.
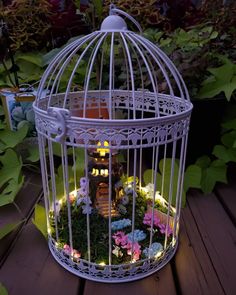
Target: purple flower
{"x": 162, "y": 228}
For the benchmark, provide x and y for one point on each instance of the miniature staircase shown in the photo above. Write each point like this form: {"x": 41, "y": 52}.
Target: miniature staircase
{"x": 102, "y": 204}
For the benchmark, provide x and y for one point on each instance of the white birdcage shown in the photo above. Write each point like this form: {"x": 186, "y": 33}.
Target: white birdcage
{"x": 112, "y": 153}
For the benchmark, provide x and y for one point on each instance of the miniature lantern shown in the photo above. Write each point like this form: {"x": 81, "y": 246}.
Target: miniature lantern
{"x": 112, "y": 153}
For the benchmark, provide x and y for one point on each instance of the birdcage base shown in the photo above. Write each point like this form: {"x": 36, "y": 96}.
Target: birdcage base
{"x": 114, "y": 273}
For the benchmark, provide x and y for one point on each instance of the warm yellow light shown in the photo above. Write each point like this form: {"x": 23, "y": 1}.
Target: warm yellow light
{"x": 60, "y": 201}
{"x": 103, "y": 151}
{"x": 158, "y": 254}
{"x": 102, "y": 263}
{"x": 49, "y": 230}
{"x": 173, "y": 242}
{"x": 105, "y": 172}
{"x": 159, "y": 198}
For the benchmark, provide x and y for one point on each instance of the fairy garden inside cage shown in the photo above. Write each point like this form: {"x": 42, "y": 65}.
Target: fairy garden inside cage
{"x": 112, "y": 153}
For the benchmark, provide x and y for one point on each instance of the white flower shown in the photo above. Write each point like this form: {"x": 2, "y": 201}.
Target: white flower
{"x": 57, "y": 208}
{"x": 117, "y": 251}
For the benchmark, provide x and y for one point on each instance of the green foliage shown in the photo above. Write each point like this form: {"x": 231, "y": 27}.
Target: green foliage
{"x": 59, "y": 177}
{"x": 11, "y": 178}
{"x": 10, "y": 191}
{"x": 98, "y": 7}
{"x": 215, "y": 172}
{"x": 222, "y": 79}
{"x": 33, "y": 154}
{"x": 3, "y": 290}
{"x": 164, "y": 179}
{"x": 203, "y": 161}
{"x": 40, "y": 220}
{"x": 30, "y": 69}
{"x": 189, "y": 50}
{"x": 204, "y": 174}
{"x": 224, "y": 154}
{"x": 5, "y": 230}
{"x": 192, "y": 177}
{"x": 10, "y": 139}
{"x": 214, "y": 169}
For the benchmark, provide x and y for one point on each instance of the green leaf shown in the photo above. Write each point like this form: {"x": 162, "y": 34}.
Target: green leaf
{"x": 224, "y": 81}
{"x": 3, "y": 290}
{"x": 11, "y": 138}
{"x": 40, "y": 220}
{"x": 33, "y": 154}
{"x": 31, "y": 57}
{"x": 192, "y": 177}
{"x": 2, "y": 126}
{"x": 166, "y": 179}
{"x": 230, "y": 124}
{"x": 147, "y": 176}
{"x": 9, "y": 193}
{"x": 211, "y": 175}
{"x": 229, "y": 138}
{"x": 224, "y": 154}
{"x": 49, "y": 56}
{"x": 98, "y": 7}
{"x": 11, "y": 167}
{"x": 121, "y": 158}
{"x": 203, "y": 162}
{"x": 5, "y": 230}
{"x": 79, "y": 161}
{"x": 59, "y": 180}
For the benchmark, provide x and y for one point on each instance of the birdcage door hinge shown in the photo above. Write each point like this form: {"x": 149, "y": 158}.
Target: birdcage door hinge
{"x": 61, "y": 115}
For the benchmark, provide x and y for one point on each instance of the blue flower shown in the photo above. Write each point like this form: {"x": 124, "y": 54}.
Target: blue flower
{"x": 139, "y": 235}
{"x": 153, "y": 250}
{"x": 119, "y": 224}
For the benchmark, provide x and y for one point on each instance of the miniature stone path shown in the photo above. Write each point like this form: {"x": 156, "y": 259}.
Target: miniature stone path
{"x": 204, "y": 263}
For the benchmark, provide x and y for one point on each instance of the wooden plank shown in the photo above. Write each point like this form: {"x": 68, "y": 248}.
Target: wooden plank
{"x": 219, "y": 237}
{"x": 29, "y": 194}
{"x": 227, "y": 196}
{"x": 194, "y": 269}
{"x": 30, "y": 269}
{"x": 25, "y": 200}
{"x": 160, "y": 283}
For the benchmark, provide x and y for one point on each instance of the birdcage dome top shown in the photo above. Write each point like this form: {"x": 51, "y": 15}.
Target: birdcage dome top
{"x": 113, "y": 74}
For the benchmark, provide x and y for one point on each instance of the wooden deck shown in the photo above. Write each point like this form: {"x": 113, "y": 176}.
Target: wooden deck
{"x": 205, "y": 262}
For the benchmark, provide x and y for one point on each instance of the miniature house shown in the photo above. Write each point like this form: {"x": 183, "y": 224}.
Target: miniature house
{"x": 112, "y": 116}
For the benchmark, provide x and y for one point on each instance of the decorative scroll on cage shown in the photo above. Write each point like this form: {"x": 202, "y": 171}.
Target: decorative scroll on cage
{"x": 112, "y": 115}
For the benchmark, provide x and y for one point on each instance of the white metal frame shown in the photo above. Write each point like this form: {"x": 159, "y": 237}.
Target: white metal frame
{"x": 157, "y": 119}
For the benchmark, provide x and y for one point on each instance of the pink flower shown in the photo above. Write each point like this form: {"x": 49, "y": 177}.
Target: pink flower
{"x": 120, "y": 238}
{"x": 67, "y": 249}
{"x": 76, "y": 254}
{"x": 72, "y": 198}
{"x": 148, "y": 219}
{"x": 136, "y": 250}
{"x": 162, "y": 228}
